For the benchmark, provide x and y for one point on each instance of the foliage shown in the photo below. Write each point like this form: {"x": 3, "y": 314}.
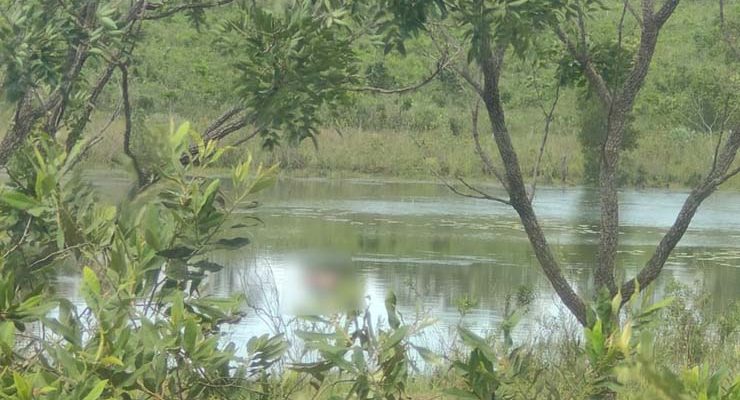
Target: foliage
{"x": 290, "y": 64}
{"x": 39, "y": 39}
{"x": 145, "y": 329}
{"x": 376, "y": 363}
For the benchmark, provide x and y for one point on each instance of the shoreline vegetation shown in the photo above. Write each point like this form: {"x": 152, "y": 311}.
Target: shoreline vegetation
{"x": 658, "y": 162}
{"x": 603, "y": 93}
{"x": 428, "y": 132}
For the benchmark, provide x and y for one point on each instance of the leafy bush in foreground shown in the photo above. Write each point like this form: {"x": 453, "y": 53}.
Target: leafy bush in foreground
{"x": 146, "y": 330}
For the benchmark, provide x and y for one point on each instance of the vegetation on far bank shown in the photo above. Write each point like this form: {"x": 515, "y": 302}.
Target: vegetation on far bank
{"x": 181, "y": 74}
{"x": 617, "y": 106}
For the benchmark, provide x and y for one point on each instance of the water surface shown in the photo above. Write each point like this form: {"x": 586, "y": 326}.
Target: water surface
{"x": 431, "y": 247}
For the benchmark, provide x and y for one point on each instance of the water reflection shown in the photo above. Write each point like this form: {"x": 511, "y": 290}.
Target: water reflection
{"x": 431, "y": 247}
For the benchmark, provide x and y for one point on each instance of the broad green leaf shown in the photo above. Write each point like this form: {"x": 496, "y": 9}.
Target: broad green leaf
{"x": 209, "y": 266}
{"x": 112, "y": 360}
{"x": 7, "y": 336}
{"x": 19, "y": 200}
{"x": 616, "y": 303}
{"x": 396, "y": 337}
{"x": 177, "y": 252}
{"x": 190, "y": 335}
{"x": 108, "y": 23}
{"x": 471, "y": 339}
{"x": 22, "y": 387}
{"x": 90, "y": 282}
{"x": 459, "y": 394}
{"x": 96, "y": 391}
{"x": 427, "y": 355}
{"x": 233, "y": 243}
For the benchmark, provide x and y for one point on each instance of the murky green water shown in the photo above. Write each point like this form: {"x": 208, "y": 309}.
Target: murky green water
{"x": 432, "y": 247}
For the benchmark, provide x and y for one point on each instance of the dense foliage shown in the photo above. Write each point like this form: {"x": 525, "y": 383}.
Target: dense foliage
{"x": 148, "y": 328}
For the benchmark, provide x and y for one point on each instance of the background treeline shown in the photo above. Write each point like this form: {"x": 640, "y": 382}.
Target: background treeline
{"x": 178, "y": 72}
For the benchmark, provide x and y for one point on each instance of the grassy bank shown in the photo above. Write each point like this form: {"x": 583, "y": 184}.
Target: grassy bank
{"x": 428, "y": 131}
{"x": 661, "y": 159}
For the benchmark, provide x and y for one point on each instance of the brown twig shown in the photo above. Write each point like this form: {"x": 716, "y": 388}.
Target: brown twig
{"x": 186, "y": 7}
{"x": 487, "y": 162}
{"x": 443, "y": 62}
{"x": 548, "y": 121}
{"x": 127, "y": 133}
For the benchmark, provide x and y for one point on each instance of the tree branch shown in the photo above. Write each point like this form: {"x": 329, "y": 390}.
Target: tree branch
{"x": 441, "y": 65}
{"x": 140, "y": 174}
{"x": 593, "y": 76}
{"x": 229, "y": 122}
{"x": 548, "y": 121}
{"x": 618, "y": 112}
{"x": 480, "y": 194}
{"x": 487, "y": 162}
{"x": 186, "y": 7}
{"x": 665, "y": 12}
{"x": 711, "y": 182}
{"x": 491, "y": 66}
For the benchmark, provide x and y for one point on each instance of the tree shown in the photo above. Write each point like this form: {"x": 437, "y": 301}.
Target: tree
{"x": 56, "y": 60}
{"x": 494, "y": 29}
{"x": 56, "y": 63}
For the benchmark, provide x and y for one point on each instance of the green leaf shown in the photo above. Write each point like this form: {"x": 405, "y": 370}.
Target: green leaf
{"x": 265, "y": 180}
{"x": 233, "y": 243}
{"x": 96, "y": 391}
{"x": 475, "y": 341}
{"x": 7, "y": 336}
{"x": 177, "y": 252}
{"x": 190, "y": 335}
{"x": 459, "y": 394}
{"x": 655, "y": 307}
{"x": 109, "y": 23}
{"x": 396, "y": 337}
{"x": 22, "y": 387}
{"x": 19, "y": 201}
{"x": 112, "y": 360}
{"x": 427, "y": 355}
{"x": 177, "y": 311}
{"x": 209, "y": 266}
{"x": 616, "y": 303}
{"x": 90, "y": 282}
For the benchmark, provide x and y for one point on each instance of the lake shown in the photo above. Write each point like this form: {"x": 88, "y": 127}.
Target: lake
{"x": 432, "y": 248}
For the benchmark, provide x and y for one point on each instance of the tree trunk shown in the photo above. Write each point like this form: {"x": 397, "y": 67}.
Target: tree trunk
{"x": 491, "y": 66}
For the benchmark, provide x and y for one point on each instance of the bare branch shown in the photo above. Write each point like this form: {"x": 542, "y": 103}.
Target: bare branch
{"x": 593, "y": 76}
{"x": 721, "y": 136}
{"x": 480, "y": 194}
{"x": 491, "y": 68}
{"x": 229, "y": 122}
{"x": 97, "y": 138}
{"x": 443, "y": 62}
{"x": 620, "y": 26}
{"x": 729, "y": 175}
{"x": 186, "y": 7}
{"x": 634, "y": 12}
{"x": 548, "y": 121}
{"x": 665, "y": 12}
{"x": 247, "y": 138}
{"x": 463, "y": 70}
{"x": 140, "y": 175}
{"x": 717, "y": 176}
{"x": 487, "y": 162}
{"x": 465, "y": 73}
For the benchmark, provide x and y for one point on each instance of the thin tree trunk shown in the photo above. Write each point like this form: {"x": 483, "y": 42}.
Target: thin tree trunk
{"x": 491, "y": 66}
